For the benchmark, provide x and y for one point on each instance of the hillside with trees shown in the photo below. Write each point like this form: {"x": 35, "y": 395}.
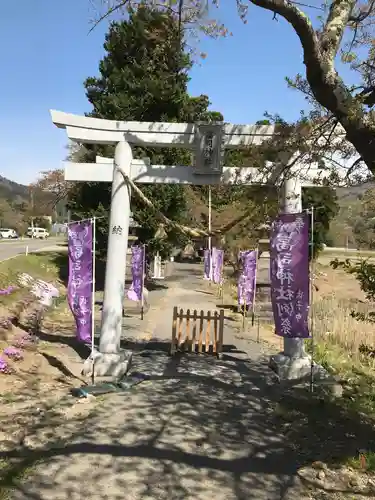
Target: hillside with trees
{"x": 19, "y": 204}
{"x": 9, "y": 190}
{"x": 354, "y": 225}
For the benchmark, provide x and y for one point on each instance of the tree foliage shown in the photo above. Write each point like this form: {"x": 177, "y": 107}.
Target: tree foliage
{"x": 143, "y": 76}
{"x": 263, "y": 205}
{"x": 325, "y": 207}
{"x": 364, "y": 222}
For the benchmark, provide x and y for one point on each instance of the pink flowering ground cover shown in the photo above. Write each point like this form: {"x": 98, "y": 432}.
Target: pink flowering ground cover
{"x": 25, "y": 341}
{"x": 16, "y": 300}
{"x": 13, "y": 353}
{"x": 8, "y": 290}
{"x": 9, "y": 294}
{"x": 5, "y": 369}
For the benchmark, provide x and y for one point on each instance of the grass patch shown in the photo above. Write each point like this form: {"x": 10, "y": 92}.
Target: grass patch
{"x": 6, "y": 398}
{"x": 365, "y": 461}
{"x": 46, "y": 266}
{"x": 338, "y": 337}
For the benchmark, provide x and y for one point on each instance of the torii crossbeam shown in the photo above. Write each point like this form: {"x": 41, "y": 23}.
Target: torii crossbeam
{"x": 208, "y": 141}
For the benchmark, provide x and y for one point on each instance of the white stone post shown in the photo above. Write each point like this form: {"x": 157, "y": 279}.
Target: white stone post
{"x": 157, "y": 267}
{"x": 155, "y": 273}
{"x": 111, "y": 360}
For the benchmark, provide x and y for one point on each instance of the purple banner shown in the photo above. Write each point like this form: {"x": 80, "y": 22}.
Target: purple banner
{"x": 207, "y": 264}
{"x": 80, "y": 236}
{"x": 135, "y": 292}
{"x": 289, "y": 267}
{"x": 247, "y": 279}
{"x": 217, "y": 265}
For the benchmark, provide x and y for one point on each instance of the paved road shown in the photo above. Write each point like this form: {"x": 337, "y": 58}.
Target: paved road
{"x": 9, "y": 249}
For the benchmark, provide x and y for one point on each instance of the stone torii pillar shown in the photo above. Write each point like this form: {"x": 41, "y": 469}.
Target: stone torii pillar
{"x": 208, "y": 142}
{"x": 293, "y": 363}
{"x": 116, "y": 255}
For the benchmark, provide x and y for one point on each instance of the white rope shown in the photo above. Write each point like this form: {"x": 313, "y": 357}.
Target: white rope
{"x": 188, "y": 231}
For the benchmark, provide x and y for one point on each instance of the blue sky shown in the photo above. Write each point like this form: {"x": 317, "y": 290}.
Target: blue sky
{"x": 46, "y": 53}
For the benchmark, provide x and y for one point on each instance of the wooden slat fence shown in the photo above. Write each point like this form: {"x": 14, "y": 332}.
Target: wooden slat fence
{"x": 194, "y": 331}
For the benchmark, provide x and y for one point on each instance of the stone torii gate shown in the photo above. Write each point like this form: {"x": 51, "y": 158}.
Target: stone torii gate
{"x": 208, "y": 142}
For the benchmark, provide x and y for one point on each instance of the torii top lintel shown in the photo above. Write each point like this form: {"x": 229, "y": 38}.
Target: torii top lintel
{"x": 158, "y": 134}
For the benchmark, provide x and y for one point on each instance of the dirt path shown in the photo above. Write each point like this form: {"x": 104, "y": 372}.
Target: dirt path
{"x": 199, "y": 429}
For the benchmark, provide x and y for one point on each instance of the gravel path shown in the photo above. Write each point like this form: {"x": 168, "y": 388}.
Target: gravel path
{"x": 200, "y": 428}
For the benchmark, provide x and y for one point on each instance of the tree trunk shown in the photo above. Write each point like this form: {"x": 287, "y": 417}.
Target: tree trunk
{"x": 363, "y": 139}
{"x": 331, "y": 92}
{"x": 319, "y": 53}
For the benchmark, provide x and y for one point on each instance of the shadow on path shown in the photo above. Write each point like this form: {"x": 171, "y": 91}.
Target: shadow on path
{"x": 199, "y": 428}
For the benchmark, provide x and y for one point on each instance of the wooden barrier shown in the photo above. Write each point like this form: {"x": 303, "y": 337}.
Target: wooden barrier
{"x": 201, "y": 331}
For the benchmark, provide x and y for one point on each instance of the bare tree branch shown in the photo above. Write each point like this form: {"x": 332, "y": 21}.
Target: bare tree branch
{"x": 362, "y": 16}
{"x": 298, "y": 20}
{"x": 338, "y": 17}
{"x": 108, "y": 13}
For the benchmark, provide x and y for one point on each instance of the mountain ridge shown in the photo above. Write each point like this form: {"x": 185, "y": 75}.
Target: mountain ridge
{"x": 10, "y": 189}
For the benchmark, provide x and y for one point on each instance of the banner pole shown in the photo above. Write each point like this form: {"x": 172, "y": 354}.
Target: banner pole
{"x": 93, "y": 221}
{"x": 242, "y": 296}
{"x": 211, "y": 268}
{"x": 255, "y": 287}
{"x": 85, "y": 220}
{"x": 244, "y": 313}
{"x": 311, "y": 301}
{"x": 143, "y": 282}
